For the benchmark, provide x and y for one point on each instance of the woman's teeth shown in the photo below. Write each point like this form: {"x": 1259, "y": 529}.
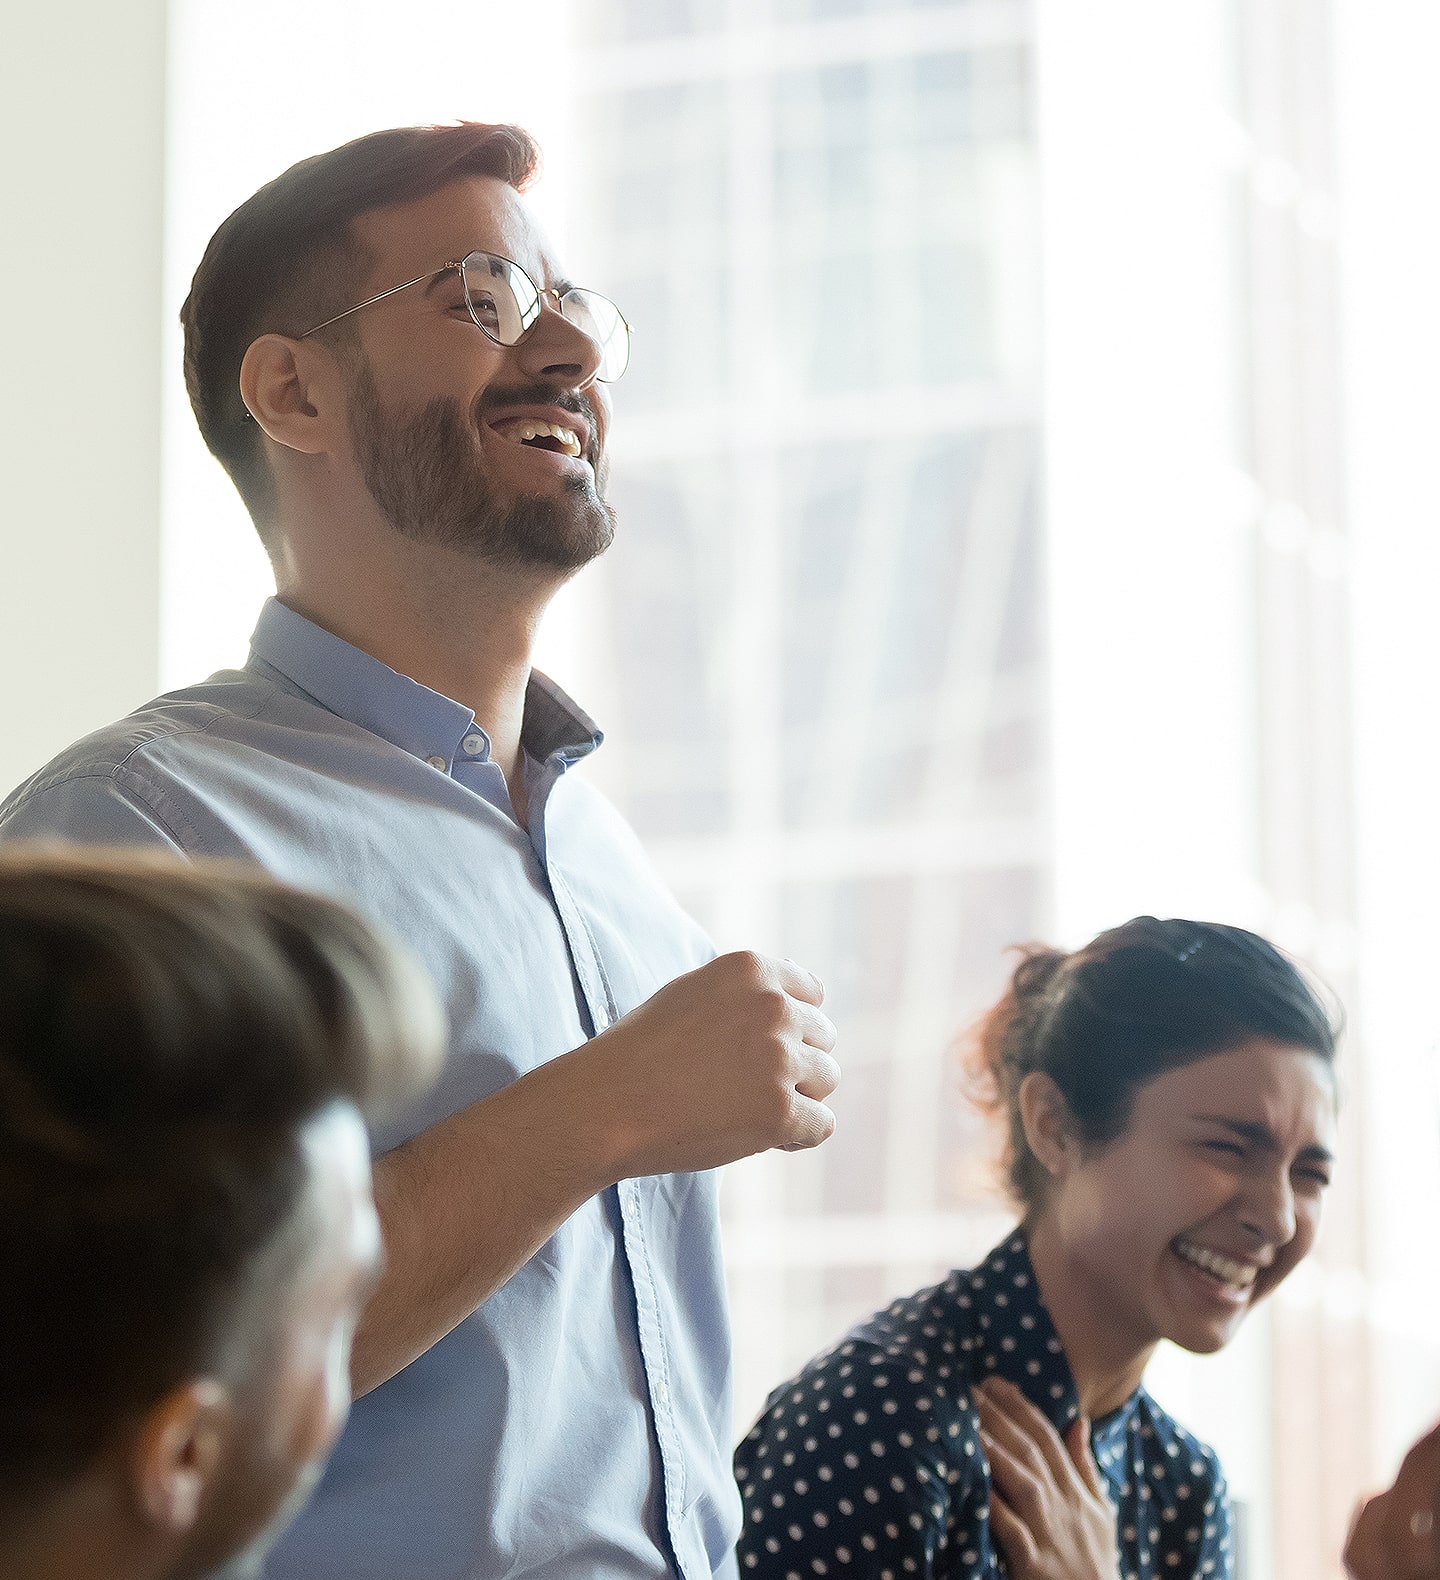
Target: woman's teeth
{"x": 1239, "y": 1275}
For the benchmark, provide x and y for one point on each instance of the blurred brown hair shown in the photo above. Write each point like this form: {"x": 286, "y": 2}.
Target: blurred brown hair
{"x": 166, "y": 1032}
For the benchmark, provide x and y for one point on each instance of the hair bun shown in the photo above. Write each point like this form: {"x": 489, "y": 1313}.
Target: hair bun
{"x": 1037, "y": 969}
{"x": 996, "y": 1045}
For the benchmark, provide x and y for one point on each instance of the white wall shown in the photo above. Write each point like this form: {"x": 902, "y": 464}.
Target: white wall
{"x": 82, "y": 129}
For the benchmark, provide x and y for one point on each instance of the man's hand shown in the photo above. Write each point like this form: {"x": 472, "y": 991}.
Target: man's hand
{"x": 1049, "y": 1513}
{"x": 727, "y": 1060}
{"x": 1396, "y": 1534}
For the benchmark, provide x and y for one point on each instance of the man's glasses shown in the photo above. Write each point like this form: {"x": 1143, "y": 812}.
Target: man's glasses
{"x": 506, "y": 303}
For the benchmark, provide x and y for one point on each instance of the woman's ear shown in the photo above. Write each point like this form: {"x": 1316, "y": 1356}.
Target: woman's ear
{"x": 1049, "y": 1124}
{"x": 290, "y": 387}
{"x": 177, "y": 1451}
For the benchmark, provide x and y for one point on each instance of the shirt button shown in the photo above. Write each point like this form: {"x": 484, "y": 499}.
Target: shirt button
{"x": 436, "y": 762}
{"x": 474, "y": 744}
{"x": 662, "y": 1394}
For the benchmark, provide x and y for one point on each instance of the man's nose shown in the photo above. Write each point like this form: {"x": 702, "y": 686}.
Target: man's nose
{"x": 556, "y": 349}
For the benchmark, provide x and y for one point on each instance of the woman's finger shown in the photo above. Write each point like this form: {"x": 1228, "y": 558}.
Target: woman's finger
{"x": 1012, "y": 1536}
{"x": 1016, "y": 1482}
{"x": 1018, "y": 1446}
{"x": 1077, "y": 1440}
{"x": 1032, "y": 1425}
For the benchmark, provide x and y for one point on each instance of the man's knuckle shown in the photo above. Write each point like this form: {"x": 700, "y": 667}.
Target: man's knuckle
{"x": 749, "y": 967}
{"x": 772, "y": 1065}
{"x": 775, "y": 1010}
{"x": 798, "y": 1120}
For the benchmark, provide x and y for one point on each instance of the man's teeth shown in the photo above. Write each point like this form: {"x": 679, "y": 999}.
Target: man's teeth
{"x": 527, "y": 429}
{"x": 1239, "y": 1274}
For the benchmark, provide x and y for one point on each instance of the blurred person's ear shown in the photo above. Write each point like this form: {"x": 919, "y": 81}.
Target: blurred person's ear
{"x": 177, "y": 1452}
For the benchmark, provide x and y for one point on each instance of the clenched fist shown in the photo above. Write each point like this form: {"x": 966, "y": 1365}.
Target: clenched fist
{"x": 1396, "y": 1534}
{"x": 725, "y": 1061}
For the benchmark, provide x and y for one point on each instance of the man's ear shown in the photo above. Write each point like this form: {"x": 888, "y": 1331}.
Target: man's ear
{"x": 292, "y": 389}
{"x": 1049, "y": 1125}
{"x": 177, "y": 1451}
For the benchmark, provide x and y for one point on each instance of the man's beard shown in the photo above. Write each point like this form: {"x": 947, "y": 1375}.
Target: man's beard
{"x": 427, "y": 474}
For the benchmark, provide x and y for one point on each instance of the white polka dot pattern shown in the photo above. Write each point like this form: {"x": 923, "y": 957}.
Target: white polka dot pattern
{"x": 869, "y": 1462}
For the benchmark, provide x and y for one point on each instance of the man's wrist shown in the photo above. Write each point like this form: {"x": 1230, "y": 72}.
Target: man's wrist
{"x": 563, "y": 1119}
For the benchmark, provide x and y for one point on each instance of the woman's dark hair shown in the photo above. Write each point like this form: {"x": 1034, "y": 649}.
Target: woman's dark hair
{"x": 1139, "y": 1000}
{"x": 167, "y": 1031}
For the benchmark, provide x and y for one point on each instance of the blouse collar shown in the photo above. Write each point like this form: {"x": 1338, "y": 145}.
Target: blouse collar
{"x": 1010, "y": 1335}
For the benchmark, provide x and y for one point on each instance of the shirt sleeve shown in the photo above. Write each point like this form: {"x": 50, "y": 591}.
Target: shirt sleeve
{"x": 88, "y": 809}
{"x": 851, "y": 1469}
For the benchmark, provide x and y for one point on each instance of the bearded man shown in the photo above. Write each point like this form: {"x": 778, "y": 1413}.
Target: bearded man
{"x": 381, "y": 349}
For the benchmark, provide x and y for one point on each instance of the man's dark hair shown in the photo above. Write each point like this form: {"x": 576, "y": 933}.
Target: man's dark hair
{"x": 286, "y": 260}
{"x": 166, "y": 1032}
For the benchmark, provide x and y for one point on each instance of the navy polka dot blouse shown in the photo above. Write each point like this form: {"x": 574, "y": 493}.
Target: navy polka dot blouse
{"x": 869, "y": 1462}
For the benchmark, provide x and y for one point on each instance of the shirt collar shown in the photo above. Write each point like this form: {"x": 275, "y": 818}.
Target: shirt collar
{"x": 1014, "y": 1338}
{"x": 352, "y": 684}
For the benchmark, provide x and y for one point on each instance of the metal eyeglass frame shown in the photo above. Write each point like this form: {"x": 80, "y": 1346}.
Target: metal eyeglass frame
{"x": 541, "y": 292}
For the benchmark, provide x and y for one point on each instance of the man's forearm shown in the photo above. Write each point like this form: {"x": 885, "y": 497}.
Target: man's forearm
{"x": 464, "y": 1206}
{"x": 727, "y": 1060}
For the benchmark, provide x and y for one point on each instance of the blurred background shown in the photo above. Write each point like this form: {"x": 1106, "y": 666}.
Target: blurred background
{"x": 1027, "y": 474}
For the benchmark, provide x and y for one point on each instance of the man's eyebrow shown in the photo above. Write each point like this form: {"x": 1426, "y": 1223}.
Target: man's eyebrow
{"x": 560, "y": 286}
{"x": 442, "y": 273}
{"x": 1261, "y": 1135}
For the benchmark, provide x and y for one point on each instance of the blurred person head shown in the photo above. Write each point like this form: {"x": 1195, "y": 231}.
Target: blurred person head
{"x": 1169, "y": 1097}
{"x": 187, "y": 1233}
{"x": 1396, "y": 1534}
{"x": 405, "y": 419}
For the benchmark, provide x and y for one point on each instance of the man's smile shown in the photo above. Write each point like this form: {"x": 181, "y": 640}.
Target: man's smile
{"x": 543, "y": 428}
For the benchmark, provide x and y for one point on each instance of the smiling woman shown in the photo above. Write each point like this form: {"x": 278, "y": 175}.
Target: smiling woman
{"x": 1170, "y": 1102}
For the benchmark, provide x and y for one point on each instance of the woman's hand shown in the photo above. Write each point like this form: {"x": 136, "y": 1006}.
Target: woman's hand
{"x": 1048, "y": 1510}
{"x": 1396, "y": 1534}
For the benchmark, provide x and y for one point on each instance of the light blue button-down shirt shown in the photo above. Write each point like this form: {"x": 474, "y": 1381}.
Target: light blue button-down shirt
{"x": 578, "y": 1423}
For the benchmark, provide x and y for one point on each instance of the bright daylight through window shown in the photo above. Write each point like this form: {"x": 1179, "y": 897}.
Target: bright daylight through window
{"x": 990, "y": 568}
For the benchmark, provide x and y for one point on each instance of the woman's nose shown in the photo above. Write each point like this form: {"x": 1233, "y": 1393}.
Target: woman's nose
{"x": 1268, "y": 1210}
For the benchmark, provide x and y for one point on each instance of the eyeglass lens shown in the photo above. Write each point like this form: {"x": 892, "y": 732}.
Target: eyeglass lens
{"x": 505, "y": 302}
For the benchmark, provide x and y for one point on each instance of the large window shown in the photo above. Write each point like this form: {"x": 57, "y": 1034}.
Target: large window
{"x": 987, "y": 570}
{"x": 823, "y": 618}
